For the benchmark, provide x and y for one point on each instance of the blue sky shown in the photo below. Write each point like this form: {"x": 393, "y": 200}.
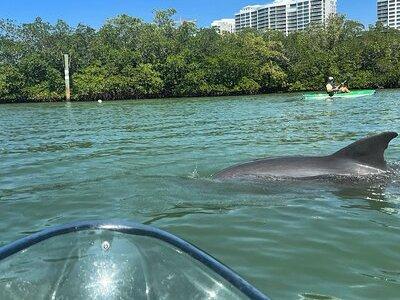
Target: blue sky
{"x": 95, "y": 12}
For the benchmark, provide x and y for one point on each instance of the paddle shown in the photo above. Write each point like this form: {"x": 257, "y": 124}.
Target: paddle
{"x": 342, "y": 84}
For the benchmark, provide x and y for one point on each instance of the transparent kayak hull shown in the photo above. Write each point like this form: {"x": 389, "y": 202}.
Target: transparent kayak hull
{"x": 352, "y": 94}
{"x": 103, "y": 260}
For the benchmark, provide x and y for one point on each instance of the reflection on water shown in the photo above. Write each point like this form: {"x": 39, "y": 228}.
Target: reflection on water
{"x": 151, "y": 161}
{"x": 309, "y": 296}
{"x": 373, "y": 198}
{"x": 362, "y": 195}
{"x": 184, "y": 209}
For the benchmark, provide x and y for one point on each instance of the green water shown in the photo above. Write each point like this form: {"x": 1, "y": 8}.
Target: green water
{"x": 151, "y": 161}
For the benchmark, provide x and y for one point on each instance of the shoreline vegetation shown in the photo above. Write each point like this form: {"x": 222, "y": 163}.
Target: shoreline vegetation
{"x": 128, "y": 58}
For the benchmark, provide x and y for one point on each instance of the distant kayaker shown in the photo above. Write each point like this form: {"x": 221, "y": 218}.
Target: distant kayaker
{"x": 331, "y": 88}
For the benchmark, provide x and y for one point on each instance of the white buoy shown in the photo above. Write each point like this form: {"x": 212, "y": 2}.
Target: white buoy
{"x": 100, "y": 101}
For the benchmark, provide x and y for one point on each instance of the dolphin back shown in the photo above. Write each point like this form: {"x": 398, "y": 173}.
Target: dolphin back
{"x": 369, "y": 151}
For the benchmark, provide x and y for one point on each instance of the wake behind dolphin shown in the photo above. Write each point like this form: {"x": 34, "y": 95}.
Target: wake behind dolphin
{"x": 362, "y": 158}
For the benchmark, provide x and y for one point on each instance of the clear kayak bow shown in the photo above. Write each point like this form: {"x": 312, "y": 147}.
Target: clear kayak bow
{"x": 114, "y": 260}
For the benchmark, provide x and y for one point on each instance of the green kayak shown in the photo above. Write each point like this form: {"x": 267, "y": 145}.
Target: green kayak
{"x": 352, "y": 94}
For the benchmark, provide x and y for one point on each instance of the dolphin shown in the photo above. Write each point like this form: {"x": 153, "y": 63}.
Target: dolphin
{"x": 362, "y": 158}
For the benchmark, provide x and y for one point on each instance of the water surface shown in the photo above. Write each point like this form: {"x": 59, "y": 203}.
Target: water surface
{"x": 151, "y": 161}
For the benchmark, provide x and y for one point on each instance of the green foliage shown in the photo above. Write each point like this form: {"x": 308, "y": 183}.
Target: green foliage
{"x": 127, "y": 59}
{"x": 11, "y": 83}
{"x": 145, "y": 81}
{"x": 90, "y": 82}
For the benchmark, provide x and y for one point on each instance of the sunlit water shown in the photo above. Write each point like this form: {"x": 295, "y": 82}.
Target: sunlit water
{"x": 152, "y": 161}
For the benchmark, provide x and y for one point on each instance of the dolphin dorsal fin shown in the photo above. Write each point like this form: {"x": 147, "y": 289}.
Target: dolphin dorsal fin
{"x": 369, "y": 150}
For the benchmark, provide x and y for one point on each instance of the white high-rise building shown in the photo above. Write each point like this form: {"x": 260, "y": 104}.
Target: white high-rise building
{"x": 224, "y": 25}
{"x": 389, "y": 13}
{"x": 286, "y": 15}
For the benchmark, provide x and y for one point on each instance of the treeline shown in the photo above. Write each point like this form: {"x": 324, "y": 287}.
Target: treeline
{"x": 128, "y": 58}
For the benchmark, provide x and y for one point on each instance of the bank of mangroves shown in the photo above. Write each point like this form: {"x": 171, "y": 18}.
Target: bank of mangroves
{"x": 128, "y": 58}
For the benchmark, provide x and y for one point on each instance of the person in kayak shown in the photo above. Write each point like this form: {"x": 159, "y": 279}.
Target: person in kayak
{"x": 331, "y": 88}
